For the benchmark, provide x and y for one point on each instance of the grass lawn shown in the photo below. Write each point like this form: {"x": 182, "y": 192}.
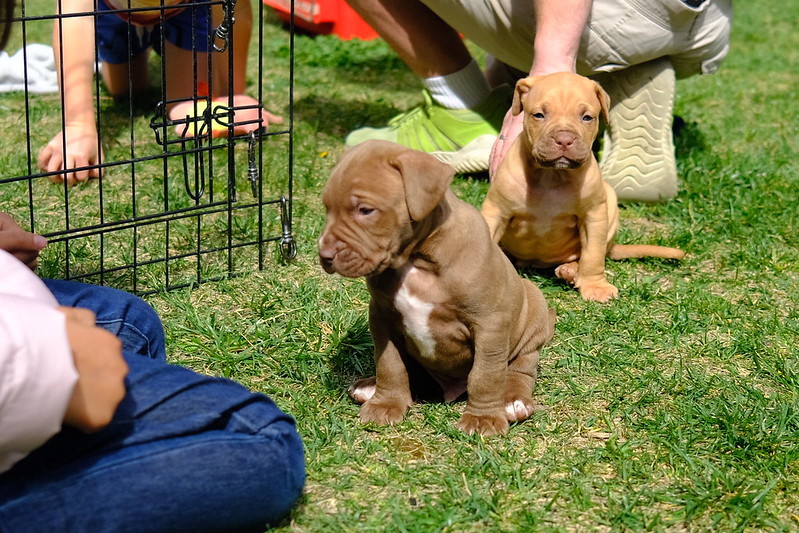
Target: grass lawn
{"x": 673, "y": 408}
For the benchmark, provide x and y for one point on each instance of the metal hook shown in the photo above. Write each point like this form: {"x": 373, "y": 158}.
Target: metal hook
{"x": 223, "y": 32}
{"x": 252, "y": 168}
{"x": 288, "y": 246}
{"x": 196, "y": 192}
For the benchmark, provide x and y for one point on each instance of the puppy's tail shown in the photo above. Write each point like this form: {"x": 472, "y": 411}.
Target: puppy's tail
{"x": 629, "y": 251}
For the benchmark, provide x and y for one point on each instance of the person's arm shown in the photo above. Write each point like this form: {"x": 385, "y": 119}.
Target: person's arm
{"x": 558, "y": 27}
{"x": 75, "y": 60}
{"x": 56, "y": 367}
{"x": 37, "y": 374}
{"x": 97, "y": 355}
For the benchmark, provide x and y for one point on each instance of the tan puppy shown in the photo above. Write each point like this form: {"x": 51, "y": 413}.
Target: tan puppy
{"x": 548, "y": 205}
{"x": 444, "y": 296}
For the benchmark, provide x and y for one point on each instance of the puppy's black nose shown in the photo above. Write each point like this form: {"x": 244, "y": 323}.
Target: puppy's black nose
{"x": 326, "y": 260}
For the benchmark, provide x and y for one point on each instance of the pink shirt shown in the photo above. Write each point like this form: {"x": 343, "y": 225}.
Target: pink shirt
{"x": 37, "y": 373}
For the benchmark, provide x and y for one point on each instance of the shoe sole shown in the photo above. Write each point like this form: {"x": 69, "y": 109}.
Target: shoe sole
{"x": 641, "y": 167}
{"x": 471, "y": 158}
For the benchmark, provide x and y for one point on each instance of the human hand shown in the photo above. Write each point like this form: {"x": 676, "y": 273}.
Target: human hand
{"x": 101, "y": 372}
{"x": 22, "y": 244}
{"x": 511, "y": 128}
{"x": 82, "y": 149}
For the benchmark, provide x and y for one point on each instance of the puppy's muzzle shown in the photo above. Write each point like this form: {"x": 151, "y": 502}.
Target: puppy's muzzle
{"x": 327, "y": 264}
{"x": 562, "y": 149}
{"x": 326, "y": 255}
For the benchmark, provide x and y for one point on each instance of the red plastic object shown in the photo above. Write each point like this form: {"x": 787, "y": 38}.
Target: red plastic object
{"x": 324, "y": 17}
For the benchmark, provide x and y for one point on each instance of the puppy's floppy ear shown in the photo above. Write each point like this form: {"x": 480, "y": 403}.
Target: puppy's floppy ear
{"x": 523, "y": 86}
{"x": 425, "y": 179}
{"x": 604, "y": 102}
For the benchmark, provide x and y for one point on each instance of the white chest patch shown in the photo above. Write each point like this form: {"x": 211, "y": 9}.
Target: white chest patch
{"x": 416, "y": 319}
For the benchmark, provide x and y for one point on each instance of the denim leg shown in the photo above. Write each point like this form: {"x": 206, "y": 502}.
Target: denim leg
{"x": 185, "y": 452}
{"x": 125, "y": 315}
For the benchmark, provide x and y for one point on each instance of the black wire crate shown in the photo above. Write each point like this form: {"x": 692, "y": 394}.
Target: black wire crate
{"x": 189, "y": 190}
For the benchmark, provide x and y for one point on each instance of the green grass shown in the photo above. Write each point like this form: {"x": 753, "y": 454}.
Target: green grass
{"x": 673, "y": 408}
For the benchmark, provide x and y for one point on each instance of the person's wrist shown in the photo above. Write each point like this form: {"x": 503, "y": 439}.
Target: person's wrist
{"x": 543, "y": 67}
{"x": 80, "y": 123}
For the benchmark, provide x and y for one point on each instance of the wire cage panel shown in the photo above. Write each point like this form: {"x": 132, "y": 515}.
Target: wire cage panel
{"x": 189, "y": 189}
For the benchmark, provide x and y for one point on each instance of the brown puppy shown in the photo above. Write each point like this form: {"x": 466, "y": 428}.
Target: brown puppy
{"x": 548, "y": 205}
{"x": 444, "y": 296}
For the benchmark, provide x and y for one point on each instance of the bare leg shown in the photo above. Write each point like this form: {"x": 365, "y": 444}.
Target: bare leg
{"x": 242, "y": 32}
{"x": 116, "y": 76}
{"x": 179, "y": 78}
{"x": 249, "y": 115}
{"x": 462, "y": 114}
{"x": 427, "y": 44}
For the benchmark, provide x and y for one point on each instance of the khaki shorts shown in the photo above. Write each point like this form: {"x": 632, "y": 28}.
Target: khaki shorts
{"x": 619, "y": 33}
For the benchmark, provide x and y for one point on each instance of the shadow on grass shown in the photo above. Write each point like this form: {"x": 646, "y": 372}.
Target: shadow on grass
{"x": 339, "y": 117}
{"x": 689, "y": 139}
{"x": 352, "y": 357}
{"x": 352, "y": 353}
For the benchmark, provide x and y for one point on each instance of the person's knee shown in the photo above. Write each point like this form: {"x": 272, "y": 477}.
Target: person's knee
{"x": 283, "y": 473}
{"x": 131, "y": 319}
{"x": 295, "y": 464}
{"x": 277, "y": 456}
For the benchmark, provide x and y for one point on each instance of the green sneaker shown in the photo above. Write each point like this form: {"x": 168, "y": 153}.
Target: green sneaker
{"x": 460, "y": 137}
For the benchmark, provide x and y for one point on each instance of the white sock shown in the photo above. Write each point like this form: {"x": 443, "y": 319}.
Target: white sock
{"x": 464, "y": 89}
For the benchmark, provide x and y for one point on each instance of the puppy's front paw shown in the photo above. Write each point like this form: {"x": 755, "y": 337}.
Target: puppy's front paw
{"x": 486, "y": 425}
{"x": 602, "y": 292}
{"x": 383, "y": 412}
{"x": 362, "y": 390}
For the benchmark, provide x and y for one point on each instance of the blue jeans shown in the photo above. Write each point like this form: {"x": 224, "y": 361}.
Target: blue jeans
{"x": 128, "y": 317}
{"x": 184, "y": 452}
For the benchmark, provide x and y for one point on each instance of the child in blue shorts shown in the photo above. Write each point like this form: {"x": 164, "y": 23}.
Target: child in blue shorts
{"x": 124, "y": 39}
{"x": 187, "y": 28}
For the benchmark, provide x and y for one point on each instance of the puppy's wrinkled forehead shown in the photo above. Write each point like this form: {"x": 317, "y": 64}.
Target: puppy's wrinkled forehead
{"x": 361, "y": 175}
{"x": 552, "y": 93}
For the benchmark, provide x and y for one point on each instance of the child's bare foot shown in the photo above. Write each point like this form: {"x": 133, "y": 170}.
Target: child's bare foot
{"x": 248, "y": 115}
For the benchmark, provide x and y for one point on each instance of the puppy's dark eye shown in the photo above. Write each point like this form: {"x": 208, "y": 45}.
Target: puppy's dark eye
{"x": 588, "y": 118}
{"x": 538, "y": 116}
{"x": 365, "y": 210}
